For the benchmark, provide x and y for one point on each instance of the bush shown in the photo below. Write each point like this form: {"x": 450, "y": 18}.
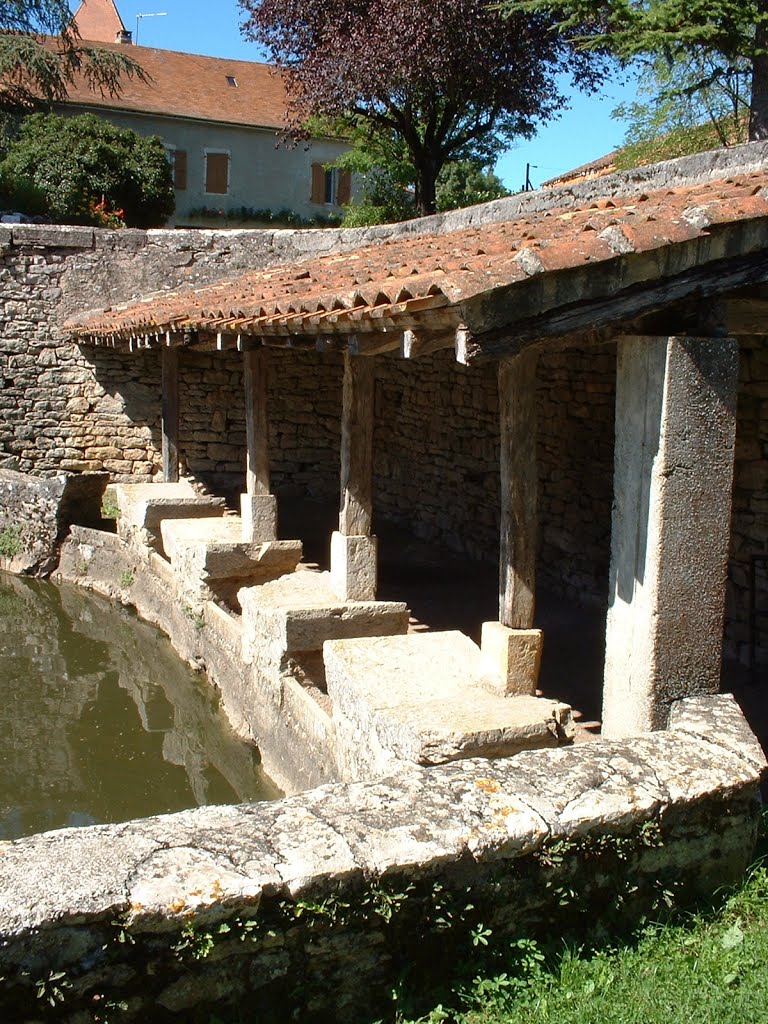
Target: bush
{"x": 84, "y": 170}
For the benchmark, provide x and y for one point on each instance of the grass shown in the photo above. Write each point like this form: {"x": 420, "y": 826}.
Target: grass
{"x": 711, "y": 968}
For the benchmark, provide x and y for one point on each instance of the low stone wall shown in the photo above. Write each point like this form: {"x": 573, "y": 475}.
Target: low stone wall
{"x": 312, "y": 907}
{"x": 35, "y": 515}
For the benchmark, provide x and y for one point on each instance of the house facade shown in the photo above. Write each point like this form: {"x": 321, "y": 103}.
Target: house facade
{"x": 220, "y": 121}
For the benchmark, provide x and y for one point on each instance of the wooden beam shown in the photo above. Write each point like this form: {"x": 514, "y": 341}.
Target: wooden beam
{"x": 607, "y": 312}
{"x": 356, "y": 511}
{"x": 425, "y": 342}
{"x": 373, "y": 344}
{"x": 170, "y": 414}
{"x": 519, "y": 485}
{"x": 746, "y": 316}
{"x": 255, "y": 378}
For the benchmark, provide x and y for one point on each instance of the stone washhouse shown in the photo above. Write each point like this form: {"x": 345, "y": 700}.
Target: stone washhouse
{"x": 632, "y": 312}
{"x": 672, "y": 275}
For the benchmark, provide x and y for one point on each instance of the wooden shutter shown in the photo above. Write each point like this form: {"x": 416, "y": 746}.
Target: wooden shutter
{"x": 180, "y": 170}
{"x": 318, "y": 183}
{"x": 344, "y": 188}
{"x": 217, "y": 173}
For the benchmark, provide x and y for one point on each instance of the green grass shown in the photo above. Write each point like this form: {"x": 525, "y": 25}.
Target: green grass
{"x": 711, "y": 968}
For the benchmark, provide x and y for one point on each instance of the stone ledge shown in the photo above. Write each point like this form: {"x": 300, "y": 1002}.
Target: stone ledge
{"x": 473, "y": 822}
{"x": 60, "y": 236}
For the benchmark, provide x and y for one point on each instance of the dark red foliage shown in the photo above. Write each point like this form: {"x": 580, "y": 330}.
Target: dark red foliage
{"x": 452, "y": 78}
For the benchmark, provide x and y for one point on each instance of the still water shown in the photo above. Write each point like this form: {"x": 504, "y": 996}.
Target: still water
{"x": 101, "y": 721}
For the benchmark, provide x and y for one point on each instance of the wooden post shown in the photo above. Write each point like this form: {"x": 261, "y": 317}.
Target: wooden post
{"x": 170, "y": 413}
{"x": 356, "y": 512}
{"x": 519, "y": 482}
{"x": 255, "y": 367}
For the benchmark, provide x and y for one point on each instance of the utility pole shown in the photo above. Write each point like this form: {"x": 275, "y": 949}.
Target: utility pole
{"x": 528, "y": 187}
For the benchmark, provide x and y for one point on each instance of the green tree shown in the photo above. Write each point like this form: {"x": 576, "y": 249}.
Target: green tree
{"x": 77, "y": 170}
{"x": 728, "y": 32}
{"x": 41, "y": 53}
{"x": 685, "y": 106}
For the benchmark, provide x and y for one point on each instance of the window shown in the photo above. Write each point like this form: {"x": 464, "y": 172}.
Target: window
{"x": 231, "y": 80}
{"x": 216, "y": 173}
{"x": 330, "y": 186}
{"x": 177, "y": 158}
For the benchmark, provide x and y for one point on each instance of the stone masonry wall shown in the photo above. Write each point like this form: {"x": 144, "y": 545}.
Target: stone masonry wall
{"x": 747, "y": 601}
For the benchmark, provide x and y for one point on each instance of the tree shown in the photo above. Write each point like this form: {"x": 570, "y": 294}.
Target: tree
{"x": 684, "y": 106}
{"x": 34, "y": 68}
{"x": 84, "y": 169}
{"x": 446, "y": 81}
{"x": 729, "y": 32}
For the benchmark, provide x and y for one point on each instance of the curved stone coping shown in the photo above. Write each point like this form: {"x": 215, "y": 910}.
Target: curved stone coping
{"x": 205, "y": 862}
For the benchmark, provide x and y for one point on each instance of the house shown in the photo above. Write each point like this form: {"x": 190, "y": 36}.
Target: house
{"x": 220, "y": 122}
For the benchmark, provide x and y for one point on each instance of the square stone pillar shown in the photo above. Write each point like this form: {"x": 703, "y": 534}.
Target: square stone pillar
{"x": 353, "y": 549}
{"x": 258, "y": 508}
{"x": 673, "y": 473}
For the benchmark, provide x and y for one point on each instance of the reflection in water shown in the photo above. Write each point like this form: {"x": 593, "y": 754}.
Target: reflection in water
{"x": 101, "y": 721}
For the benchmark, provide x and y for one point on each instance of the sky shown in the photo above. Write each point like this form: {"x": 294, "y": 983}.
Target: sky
{"x": 583, "y": 133}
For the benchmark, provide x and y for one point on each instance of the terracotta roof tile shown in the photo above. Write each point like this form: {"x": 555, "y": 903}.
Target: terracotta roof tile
{"x": 194, "y": 86}
{"x": 397, "y": 283}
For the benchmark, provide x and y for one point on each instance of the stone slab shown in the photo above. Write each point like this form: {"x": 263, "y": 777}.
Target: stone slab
{"x": 259, "y": 516}
{"x": 145, "y": 506}
{"x": 213, "y": 549}
{"x": 301, "y": 611}
{"x": 425, "y": 698}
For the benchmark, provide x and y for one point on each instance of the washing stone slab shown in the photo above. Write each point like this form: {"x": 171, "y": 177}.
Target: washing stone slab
{"x": 214, "y": 549}
{"x": 424, "y": 698}
{"x": 301, "y": 611}
{"x": 145, "y": 506}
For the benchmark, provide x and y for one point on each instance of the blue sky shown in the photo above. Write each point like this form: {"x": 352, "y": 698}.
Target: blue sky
{"x": 580, "y": 134}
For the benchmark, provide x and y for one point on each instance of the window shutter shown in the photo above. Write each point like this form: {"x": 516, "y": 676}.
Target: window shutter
{"x": 180, "y": 170}
{"x": 344, "y": 188}
{"x": 216, "y": 173}
{"x": 318, "y": 183}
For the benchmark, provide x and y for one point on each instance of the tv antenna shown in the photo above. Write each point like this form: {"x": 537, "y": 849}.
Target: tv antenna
{"x": 159, "y": 14}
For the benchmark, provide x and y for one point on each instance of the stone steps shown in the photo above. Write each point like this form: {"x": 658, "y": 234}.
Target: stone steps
{"x": 426, "y": 698}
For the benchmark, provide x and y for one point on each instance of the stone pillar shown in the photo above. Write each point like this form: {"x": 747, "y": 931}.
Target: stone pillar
{"x": 170, "y": 413}
{"x": 258, "y": 508}
{"x": 673, "y": 473}
{"x": 512, "y": 647}
{"x": 353, "y": 549}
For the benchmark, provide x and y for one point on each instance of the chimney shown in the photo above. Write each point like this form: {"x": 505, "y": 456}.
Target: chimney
{"x": 124, "y": 37}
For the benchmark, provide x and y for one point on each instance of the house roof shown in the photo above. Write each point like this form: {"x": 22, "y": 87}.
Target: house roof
{"x": 504, "y": 284}
{"x": 602, "y": 165}
{"x": 98, "y": 20}
{"x": 190, "y": 85}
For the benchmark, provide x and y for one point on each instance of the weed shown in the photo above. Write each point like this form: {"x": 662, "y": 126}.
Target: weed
{"x": 196, "y": 618}
{"x": 82, "y": 567}
{"x": 10, "y": 541}
{"x": 51, "y": 989}
{"x": 109, "y": 507}
{"x": 126, "y": 579}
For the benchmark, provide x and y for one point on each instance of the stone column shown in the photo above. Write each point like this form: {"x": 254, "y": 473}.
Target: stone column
{"x": 258, "y": 508}
{"x": 170, "y": 413}
{"x": 353, "y": 549}
{"x": 511, "y": 646}
{"x": 673, "y": 473}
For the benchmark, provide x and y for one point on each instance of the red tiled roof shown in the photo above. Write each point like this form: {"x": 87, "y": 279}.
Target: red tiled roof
{"x": 459, "y": 277}
{"x": 98, "y": 20}
{"x": 602, "y": 165}
{"x": 194, "y": 86}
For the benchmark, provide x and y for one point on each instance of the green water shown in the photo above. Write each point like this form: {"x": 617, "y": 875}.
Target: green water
{"x": 100, "y": 720}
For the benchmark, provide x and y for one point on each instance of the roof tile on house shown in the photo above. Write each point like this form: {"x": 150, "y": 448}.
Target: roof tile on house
{"x": 193, "y": 86}
{"x": 482, "y": 277}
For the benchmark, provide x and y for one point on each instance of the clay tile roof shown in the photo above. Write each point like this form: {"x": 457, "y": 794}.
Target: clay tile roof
{"x": 190, "y": 85}
{"x": 483, "y": 277}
